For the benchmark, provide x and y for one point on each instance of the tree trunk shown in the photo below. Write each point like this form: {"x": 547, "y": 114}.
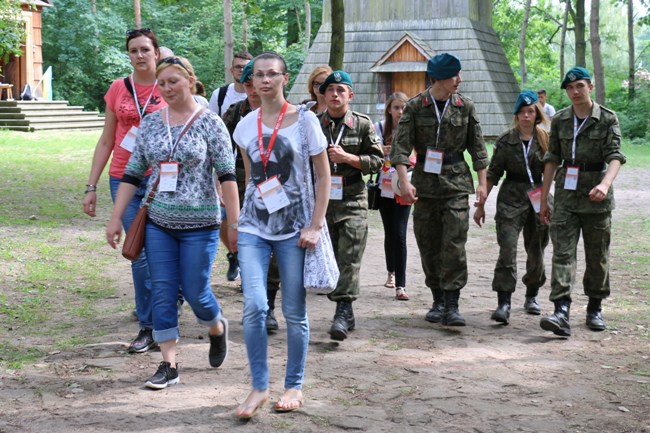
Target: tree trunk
{"x": 337, "y": 44}
{"x": 227, "y": 40}
{"x": 136, "y": 8}
{"x": 307, "y": 25}
{"x": 244, "y": 26}
{"x": 579, "y": 31}
{"x": 594, "y": 39}
{"x": 522, "y": 45}
{"x": 630, "y": 48}
{"x": 565, "y": 22}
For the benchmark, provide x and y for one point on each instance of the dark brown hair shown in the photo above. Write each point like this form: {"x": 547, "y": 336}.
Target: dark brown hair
{"x": 136, "y": 33}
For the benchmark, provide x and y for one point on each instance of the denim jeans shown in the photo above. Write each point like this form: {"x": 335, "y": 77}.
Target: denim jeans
{"x": 139, "y": 267}
{"x": 395, "y": 218}
{"x": 254, "y": 257}
{"x": 178, "y": 257}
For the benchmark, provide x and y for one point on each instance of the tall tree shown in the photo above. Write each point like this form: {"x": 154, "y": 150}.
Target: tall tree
{"x": 522, "y": 45}
{"x": 227, "y": 39}
{"x": 565, "y": 22}
{"x": 594, "y": 39}
{"x": 579, "y": 32}
{"x": 337, "y": 44}
{"x": 631, "y": 64}
{"x": 136, "y": 8}
{"x": 244, "y": 26}
{"x": 307, "y": 25}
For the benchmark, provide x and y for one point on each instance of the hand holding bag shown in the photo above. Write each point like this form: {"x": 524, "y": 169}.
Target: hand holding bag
{"x": 374, "y": 192}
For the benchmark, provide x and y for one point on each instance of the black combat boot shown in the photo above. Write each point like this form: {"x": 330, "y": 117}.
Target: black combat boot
{"x": 502, "y": 313}
{"x": 438, "y": 308}
{"x": 531, "y": 305}
{"x": 451, "y": 316}
{"x": 271, "y": 322}
{"x": 558, "y": 322}
{"x": 343, "y": 321}
{"x": 595, "y": 320}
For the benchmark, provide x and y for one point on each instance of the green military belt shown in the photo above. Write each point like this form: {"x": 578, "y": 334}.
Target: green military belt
{"x": 452, "y": 158}
{"x": 586, "y": 166}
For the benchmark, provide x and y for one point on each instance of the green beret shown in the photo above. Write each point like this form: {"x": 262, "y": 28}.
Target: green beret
{"x": 526, "y": 97}
{"x": 338, "y": 77}
{"x": 576, "y": 73}
{"x": 443, "y": 66}
{"x": 247, "y": 72}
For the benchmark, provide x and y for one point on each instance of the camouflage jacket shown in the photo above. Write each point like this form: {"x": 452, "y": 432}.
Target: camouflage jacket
{"x": 460, "y": 130}
{"x": 508, "y": 157}
{"x": 599, "y": 141}
{"x": 231, "y": 118}
{"x": 359, "y": 138}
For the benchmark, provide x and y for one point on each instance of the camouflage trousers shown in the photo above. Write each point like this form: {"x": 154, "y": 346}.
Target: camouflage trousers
{"x": 535, "y": 241}
{"x": 440, "y": 227}
{"x": 565, "y": 234}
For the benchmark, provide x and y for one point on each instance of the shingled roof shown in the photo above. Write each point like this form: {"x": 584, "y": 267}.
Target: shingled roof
{"x": 375, "y": 29}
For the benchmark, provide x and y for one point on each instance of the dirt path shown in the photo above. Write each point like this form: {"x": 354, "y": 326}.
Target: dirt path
{"x": 397, "y": 373}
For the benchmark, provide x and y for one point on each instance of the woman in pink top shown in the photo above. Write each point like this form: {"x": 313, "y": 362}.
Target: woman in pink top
{"x": 128, "y": 100}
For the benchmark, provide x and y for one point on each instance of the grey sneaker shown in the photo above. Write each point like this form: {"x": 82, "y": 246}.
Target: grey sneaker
{"x": 166, "y": 375}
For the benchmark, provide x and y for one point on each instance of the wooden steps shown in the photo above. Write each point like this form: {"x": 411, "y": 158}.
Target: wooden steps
{"x": 46, "y": 115}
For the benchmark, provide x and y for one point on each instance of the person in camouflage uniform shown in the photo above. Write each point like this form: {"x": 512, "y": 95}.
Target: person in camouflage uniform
{"x": 440, "y": 124}
{"x": 585, "y": 156}
{"x": 518, "y": 152}
{"x": 231, "y": 118}
{"x": 354, "y": 150}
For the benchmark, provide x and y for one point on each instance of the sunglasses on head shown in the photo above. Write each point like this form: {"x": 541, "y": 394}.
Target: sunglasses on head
{"x": 173, "y": 61}
{"x": 137, "y": 32}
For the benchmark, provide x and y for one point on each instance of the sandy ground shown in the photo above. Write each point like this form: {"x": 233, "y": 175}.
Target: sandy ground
{"x": 396, "y": 373}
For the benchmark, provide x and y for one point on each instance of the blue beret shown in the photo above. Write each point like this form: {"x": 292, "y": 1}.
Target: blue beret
{"x": 443, "y": 66}
{"x": 247, "y": 72}
{"x": 526, "y": 97}
{"x": 338, "y": 77}
{"x": 576, "y": 73}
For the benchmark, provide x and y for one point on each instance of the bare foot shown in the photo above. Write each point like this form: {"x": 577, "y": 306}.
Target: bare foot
{"x": 290, "y": 401}
{"x": 254, "y": 401}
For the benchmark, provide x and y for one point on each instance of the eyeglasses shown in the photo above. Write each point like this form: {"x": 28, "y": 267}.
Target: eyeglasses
{"x": 239, "y": 67}
{"x": 316, "y": 83}
{"x": 269, "y": 75}
{"x": 137, "y": 32}
{"x": 173, "y": 61}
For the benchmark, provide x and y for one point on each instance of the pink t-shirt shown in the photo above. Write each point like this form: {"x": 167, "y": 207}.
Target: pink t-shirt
{"x": 120, "y": 101}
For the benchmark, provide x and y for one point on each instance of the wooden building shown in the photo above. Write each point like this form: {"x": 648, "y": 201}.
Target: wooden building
{"x": 27, "y": 68}
{"x": 388, "y": 43}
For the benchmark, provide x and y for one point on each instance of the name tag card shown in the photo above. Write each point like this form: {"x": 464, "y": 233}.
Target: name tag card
{"x": 433, "y": 161}
{"x": 535, "y": 197}
{"x": 128, "y": 142}
{"x": 273, "y": 195}
{"x": 168, "y": 176}
{"x": 571, "y": 178}
{"x": 387, "y": 185}
{"x": 336, "y": 190}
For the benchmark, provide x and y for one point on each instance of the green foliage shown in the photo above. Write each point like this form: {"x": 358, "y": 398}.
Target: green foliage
{"x": 12, "y": 31}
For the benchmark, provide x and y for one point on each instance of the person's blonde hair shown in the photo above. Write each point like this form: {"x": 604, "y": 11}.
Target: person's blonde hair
{"x": 540, "y": 118}
{"x": 315, "y": 73}
{"x": 182, "y": 65}
{"x": 388, "y": 118}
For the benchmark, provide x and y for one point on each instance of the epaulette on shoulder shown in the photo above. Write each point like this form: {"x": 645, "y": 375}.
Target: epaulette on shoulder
{"x": 609, "y": 110}
{"x": 361, "y": 115}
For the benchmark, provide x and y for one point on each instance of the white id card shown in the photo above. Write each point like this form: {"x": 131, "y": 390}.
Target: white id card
{"x": 433, "y": 161}
{"x": 571, "y": 178}
{"x": 535, "y": 197}
{"x": 336, "y": 189}
{"x": 168, "y": 176}
{"x": 387, "y": 185}
{"x": 273, "y": 195}
{"x": 128, "y": 142}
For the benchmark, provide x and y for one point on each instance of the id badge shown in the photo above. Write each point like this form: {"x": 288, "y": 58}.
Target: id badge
{"x": 168, "y": 176}
{"x": 336, "y": 189}
{"x": 571, "y": 178}
{"x": 535, "y": 197}
{"x": 273, "y": 195}
{"x": 433, "y": 161}
{"x": 128, "y": 142}
{"x": 387, "y": 185}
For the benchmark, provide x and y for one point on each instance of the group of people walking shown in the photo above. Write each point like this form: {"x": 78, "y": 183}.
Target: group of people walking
{"x": 240, "y": 170}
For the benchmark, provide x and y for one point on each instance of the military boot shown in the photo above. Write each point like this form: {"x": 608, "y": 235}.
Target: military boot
{"x": 451, "y": 316}
{"x": 343, "y": 321}
{"x": 595, "y": 320}
{"x": 558, "y": 322}
{"x": 502, "y": 313}
{"x": 531, "y": 305}
{"x": 434, "y": 315}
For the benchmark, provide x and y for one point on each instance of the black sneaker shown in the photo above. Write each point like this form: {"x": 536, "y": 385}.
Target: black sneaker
{"x": 219, "y": 346}
{"x": 271, "y": 322}
{"x": 166, "y": 375}
{"x": 233, "y": 267}
{"x": 143, "y": 342}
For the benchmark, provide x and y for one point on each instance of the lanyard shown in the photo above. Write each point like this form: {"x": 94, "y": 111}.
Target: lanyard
{"x": 576, "y": 130}
{"x": 266, "y": 155}
{"x": 526, "y": 149}
{"x": 338, "y": 140}
{"x": 439, "y": 116}
{"x": 173, "y": 144}
{"x": 135, "y": 97}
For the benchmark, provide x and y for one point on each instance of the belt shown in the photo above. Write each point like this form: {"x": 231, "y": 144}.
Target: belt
{"x": 452, "y": 158}
{"x": 519, "y": 178}
{"x": 351, "y": 180}
{"x": 587, "y": 166}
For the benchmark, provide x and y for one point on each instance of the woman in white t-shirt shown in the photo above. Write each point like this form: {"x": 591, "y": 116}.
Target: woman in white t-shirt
{"x": 271, "y": 140}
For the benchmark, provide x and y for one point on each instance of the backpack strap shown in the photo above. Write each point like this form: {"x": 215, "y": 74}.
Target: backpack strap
{"x": 221, "y": 97}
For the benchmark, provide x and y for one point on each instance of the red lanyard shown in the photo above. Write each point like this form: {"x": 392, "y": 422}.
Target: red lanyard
{"x": 266, "y": 155}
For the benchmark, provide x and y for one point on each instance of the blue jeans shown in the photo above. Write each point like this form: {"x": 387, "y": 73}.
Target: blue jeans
{"x": 184, "y": 258}
{"x": 254, "y": 256}
{"x": 140, "y": 267}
